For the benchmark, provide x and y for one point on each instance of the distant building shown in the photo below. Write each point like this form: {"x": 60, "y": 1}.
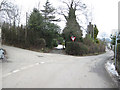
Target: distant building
{"x": 90, "y": 29}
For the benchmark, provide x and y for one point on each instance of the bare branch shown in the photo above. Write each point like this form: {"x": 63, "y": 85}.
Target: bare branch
{"x": 10, "y": 10}
{"x": 66, "y": 4}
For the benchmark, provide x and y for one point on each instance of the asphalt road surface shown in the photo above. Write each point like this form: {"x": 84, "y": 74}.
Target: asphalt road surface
{"x": 28, "y": 69}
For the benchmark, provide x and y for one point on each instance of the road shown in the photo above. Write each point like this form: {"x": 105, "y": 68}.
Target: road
{"x": 29, "y": 69}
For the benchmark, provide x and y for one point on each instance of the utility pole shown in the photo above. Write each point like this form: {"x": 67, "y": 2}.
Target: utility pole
{"x": 26, "y": 27}
{"x": 116, "y": 51}
{"x": 93, "y": 32}
{"x": 0, "y": 35}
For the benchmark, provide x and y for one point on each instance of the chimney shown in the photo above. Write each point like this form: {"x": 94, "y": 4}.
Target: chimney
{"x": 89, "y": 23}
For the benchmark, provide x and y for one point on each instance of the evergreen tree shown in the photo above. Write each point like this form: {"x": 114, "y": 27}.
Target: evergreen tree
{"x": 48, "y": 12}
{"x": 95, "y": 32}
{"x": 36, "y": 20}
{"x": 36, "y": 27}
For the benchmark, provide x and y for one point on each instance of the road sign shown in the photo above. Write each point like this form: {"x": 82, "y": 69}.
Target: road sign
{"x": 73, "y": 38}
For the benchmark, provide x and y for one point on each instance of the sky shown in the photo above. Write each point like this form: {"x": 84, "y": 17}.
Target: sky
{"x": 104, "y": 13}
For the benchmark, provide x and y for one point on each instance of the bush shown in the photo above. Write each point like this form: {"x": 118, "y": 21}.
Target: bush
{"x": 55, "y": 43}
{"x": 40, "y": 43}
{"x": 76, "y": 48}
{"x": 97, "y": 41}
{"x": 102, "y": 48}
{"x": 88, "y": 41}
{"x": 118, "y": 57}
{"x": 94, "y": 48}
{"x": 60, "y": 40}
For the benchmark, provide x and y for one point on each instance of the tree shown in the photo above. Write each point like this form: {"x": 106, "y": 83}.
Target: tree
{"x": 49, "y": 12}
{"x": 95, "y": 32}
{"x": 113, "y": 39}
{"x": 35, "y": 21}
{"x": 51, "y": 33}
{"x": 8, "y": 11}
{"x": 72, "y": 27}
{"x": 35, "y": 27}
{"x": 36, "y": 24}
{"x": 6, "y": 7}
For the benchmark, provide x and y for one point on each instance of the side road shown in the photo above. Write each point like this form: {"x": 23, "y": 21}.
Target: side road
{"x": 28, "y": 69}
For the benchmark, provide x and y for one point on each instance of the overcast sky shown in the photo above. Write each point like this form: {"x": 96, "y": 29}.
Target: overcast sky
{"x": 105, "y": 12}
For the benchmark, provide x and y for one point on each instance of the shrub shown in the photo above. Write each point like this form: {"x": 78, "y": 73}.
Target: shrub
{"x": 94, "y": 46}
{"x": 93, "y": 49}
{"x": 55, "y": 43}
{"x": 40, "y": 43}
{"x": 60, "y": 40}
{"x": 97, "y": 41}
{"x": 101, "y": 48}
{"x": 76, "y": 48}
{"x": 88, "y": 41}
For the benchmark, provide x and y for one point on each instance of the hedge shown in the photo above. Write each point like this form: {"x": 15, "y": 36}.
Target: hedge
{"x": 79, "y": 48}
{"x": 76, "y": 48}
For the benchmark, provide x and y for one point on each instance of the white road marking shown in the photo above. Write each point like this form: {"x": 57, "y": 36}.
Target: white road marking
{"x": 15, "y": 71}
{"x": 6, "y": 75}
{"x": 23, "y": 68}
{"x": 42, "y": 62}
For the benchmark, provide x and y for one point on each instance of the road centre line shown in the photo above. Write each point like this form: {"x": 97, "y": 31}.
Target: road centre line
{"x": 23, "y": 68}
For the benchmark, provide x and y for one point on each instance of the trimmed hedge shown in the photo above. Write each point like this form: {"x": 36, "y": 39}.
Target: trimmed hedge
{"x": 118, "y": 57}
{"x": 76, "y": 48}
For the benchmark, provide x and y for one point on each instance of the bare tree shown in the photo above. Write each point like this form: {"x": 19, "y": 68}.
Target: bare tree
{"x": 6, "y": 7}
{"x": 9, "y": 11}
{"x": 78, "y": 7}
{"x": 73, "y": 28}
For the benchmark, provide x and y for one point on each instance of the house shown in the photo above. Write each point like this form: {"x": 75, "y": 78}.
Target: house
{"x": 90, "y": 29}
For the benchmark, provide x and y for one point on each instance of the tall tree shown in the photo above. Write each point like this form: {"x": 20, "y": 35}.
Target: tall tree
{"x": 72, "y": 27}
{"x": 49, "y": 12}
{"x": 36, "y": 26}
{"x": 95, "y": 32}
{"x": 35, "y": 21}
{"x": 8, "y": 11}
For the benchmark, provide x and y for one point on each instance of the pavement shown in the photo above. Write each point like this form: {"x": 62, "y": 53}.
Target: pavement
{"x": 29, "y": 69}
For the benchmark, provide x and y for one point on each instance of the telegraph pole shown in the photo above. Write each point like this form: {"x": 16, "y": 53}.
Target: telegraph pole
{"x": 116, "y": 50}
{"x": 0, "y": 35}
{"x": 26, "y": 27}
{"x": 93, "y": 32}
